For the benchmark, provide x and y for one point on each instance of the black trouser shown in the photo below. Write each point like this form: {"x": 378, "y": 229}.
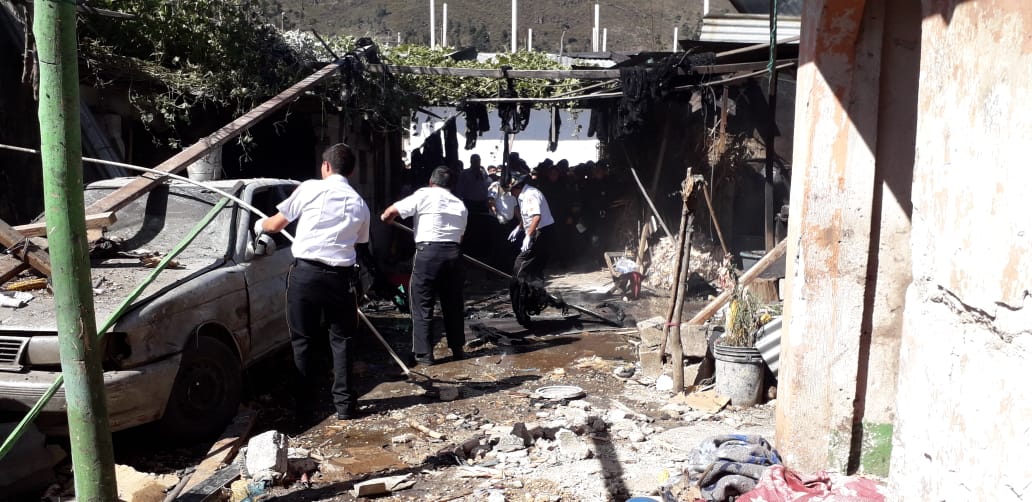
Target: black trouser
{"x": 318, "y": 293}
{"x": 527, "y": 287}
{"x": 436, "y": 273}
{"x": 530, "y": 264}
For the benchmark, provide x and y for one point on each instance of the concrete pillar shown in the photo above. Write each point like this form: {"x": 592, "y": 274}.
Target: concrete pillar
{"x": 830, "y": 231}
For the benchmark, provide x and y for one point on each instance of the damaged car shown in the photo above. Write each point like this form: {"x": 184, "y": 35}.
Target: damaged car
{"x": 177, "y": 355}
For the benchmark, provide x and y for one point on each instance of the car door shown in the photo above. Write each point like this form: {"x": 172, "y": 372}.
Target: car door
{"x": 266, "y": 276}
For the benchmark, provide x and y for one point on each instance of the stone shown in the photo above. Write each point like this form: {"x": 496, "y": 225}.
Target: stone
{"x": 616, "y": 415}
{"x": 448, "y": 393}
{"x": 580, "y": 404}
{"x": 135, "y": 486}
{"x": 693, "y": 338}
{"x": 635, "y": 436}
{"x": 664, "y": 383}
{"x": 266, "y": 452}
{"x": 404, "y": 438}
{"x": 451, "y": 416}
{"x": 571, "y": 447}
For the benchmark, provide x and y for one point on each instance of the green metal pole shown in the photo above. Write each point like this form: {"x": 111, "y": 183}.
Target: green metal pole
{"x": 61, "y": 143}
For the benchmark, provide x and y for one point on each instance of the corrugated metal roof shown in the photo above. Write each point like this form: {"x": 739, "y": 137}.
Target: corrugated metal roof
{"x": 746, "y": 28}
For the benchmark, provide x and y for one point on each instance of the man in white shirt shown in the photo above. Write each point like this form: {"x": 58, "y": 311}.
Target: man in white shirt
{"x": 527, "y": 288}
{"x": 332, "y": 221}
{"x": 437, "y": 272}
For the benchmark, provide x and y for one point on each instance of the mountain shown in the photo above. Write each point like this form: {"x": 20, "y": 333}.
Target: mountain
{"x": 631, "y": 26}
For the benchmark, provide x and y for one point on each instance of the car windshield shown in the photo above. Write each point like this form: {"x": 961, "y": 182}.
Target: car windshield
{"x": 158, "y": 221}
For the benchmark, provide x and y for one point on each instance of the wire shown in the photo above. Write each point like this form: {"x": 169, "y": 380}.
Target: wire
{"x": 16, "y": 434}
{"x": 163, "y": 174}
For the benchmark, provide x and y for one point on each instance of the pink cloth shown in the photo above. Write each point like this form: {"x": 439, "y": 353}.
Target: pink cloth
{"x": 783, "y": 485}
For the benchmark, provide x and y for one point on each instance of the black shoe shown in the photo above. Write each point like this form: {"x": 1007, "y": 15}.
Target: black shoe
{"x": 425, "y": 359}
{"x": 458, "y": 354}
{"x": 347, "y": 414}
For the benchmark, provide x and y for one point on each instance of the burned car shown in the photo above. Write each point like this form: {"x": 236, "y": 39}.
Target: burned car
{"x": 177, "y": 355}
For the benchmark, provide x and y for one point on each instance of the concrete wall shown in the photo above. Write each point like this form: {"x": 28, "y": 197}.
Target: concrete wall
{"x": 964, "y": 404}
{"x": 937, "y": 104}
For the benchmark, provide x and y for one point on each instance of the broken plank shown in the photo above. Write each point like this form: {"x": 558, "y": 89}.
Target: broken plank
{"x": 143, "y": 184}
{"x": 214, "y": 483}
{"x": 10, "y": 267}
{"x": 23, "y": 249}
{"x": 225, "y": 448}
{"x": 93, "y": 221}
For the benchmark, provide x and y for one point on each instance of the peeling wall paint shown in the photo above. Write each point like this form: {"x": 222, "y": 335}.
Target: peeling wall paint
{"x": 964, "y": 405}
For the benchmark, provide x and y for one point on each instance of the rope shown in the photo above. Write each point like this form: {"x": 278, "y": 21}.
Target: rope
{"x": 16, "y": 434}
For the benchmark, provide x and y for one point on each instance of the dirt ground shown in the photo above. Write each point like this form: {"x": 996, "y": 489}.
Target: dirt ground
{"x": 500, "y": 440}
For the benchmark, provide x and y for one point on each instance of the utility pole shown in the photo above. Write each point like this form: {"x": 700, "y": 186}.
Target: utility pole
{"x": 61, "y": 144}
{"x": 433, "y": 26}
{"x": 513, "y": 26}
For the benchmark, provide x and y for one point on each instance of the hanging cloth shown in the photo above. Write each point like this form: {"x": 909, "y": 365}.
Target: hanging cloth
{"x": 553, "y": 130}
{"x": 451, "y": 144}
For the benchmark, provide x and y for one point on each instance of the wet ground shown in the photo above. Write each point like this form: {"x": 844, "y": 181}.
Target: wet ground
{"x": 636, "y": 440}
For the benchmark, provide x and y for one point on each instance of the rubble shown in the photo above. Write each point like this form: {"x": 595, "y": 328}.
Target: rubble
{"x": 266, "y": 457}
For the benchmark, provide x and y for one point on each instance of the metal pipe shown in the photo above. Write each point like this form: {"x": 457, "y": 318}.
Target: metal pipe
{"x": 93, "y": 458}
{"x": 651, "y": 205}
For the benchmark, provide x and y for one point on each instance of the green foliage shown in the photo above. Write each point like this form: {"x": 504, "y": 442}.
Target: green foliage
{"x": 178, "y": 55}
{"x": 446, "y": 90}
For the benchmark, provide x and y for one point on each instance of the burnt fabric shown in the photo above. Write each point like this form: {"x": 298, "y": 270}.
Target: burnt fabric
{"x": 553, "y": 129}
{"x": 451, "y": 144}
{"x": 781, "y": 483}
{"x": 433, "y": 154}
{"x": 642, "y": 88}
{"x": 527, "y": 287}
{"x": 514, "y": 117}
{"x": 437, "y": 273}
{"x": 477, "y": 122}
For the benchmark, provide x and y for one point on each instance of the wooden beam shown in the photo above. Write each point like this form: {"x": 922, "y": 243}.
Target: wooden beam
{"x": 23, "y": 249}
{"x": 748, "y": 277}
{"x": 39, "y": 229}
{"x": 10, "y": 267}
{"x": 131, "y": 191}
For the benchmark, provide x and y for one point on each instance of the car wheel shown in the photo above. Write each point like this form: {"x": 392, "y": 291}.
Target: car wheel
{"x": 206, "y": 393}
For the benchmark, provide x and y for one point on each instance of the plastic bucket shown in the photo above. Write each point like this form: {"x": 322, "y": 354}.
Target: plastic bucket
{"x": 739, "y": 372}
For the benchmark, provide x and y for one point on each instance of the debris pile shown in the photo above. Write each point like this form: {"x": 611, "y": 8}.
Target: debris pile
{"x": 705, "y": 261}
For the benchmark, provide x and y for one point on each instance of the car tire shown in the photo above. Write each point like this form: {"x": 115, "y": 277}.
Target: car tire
{"x": 206, "y": 393}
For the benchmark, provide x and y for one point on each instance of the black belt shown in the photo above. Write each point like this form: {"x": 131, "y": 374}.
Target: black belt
{"x": 324, "y": 266}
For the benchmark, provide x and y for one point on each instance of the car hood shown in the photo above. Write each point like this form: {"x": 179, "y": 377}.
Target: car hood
{"x": 113, "y": 281}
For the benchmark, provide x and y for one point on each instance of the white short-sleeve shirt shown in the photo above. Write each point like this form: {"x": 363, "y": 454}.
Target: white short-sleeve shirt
{"x": 440, "y": 215}
{"x": 533, "y": 203}
{"x": 332, "y": 218}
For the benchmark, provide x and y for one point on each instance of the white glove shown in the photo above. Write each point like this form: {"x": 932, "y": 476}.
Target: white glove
{"x": 515, "y": 234}
{"x": 258, "y": 230}
{"x": 526, "y": 244}
{"x": 264, "y": 245}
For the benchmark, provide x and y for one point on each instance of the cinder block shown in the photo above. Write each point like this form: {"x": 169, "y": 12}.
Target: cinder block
{"x": 267, "y": 452}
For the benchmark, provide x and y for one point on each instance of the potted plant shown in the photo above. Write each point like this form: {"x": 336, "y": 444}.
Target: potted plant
{"x": 739, "y": 366}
